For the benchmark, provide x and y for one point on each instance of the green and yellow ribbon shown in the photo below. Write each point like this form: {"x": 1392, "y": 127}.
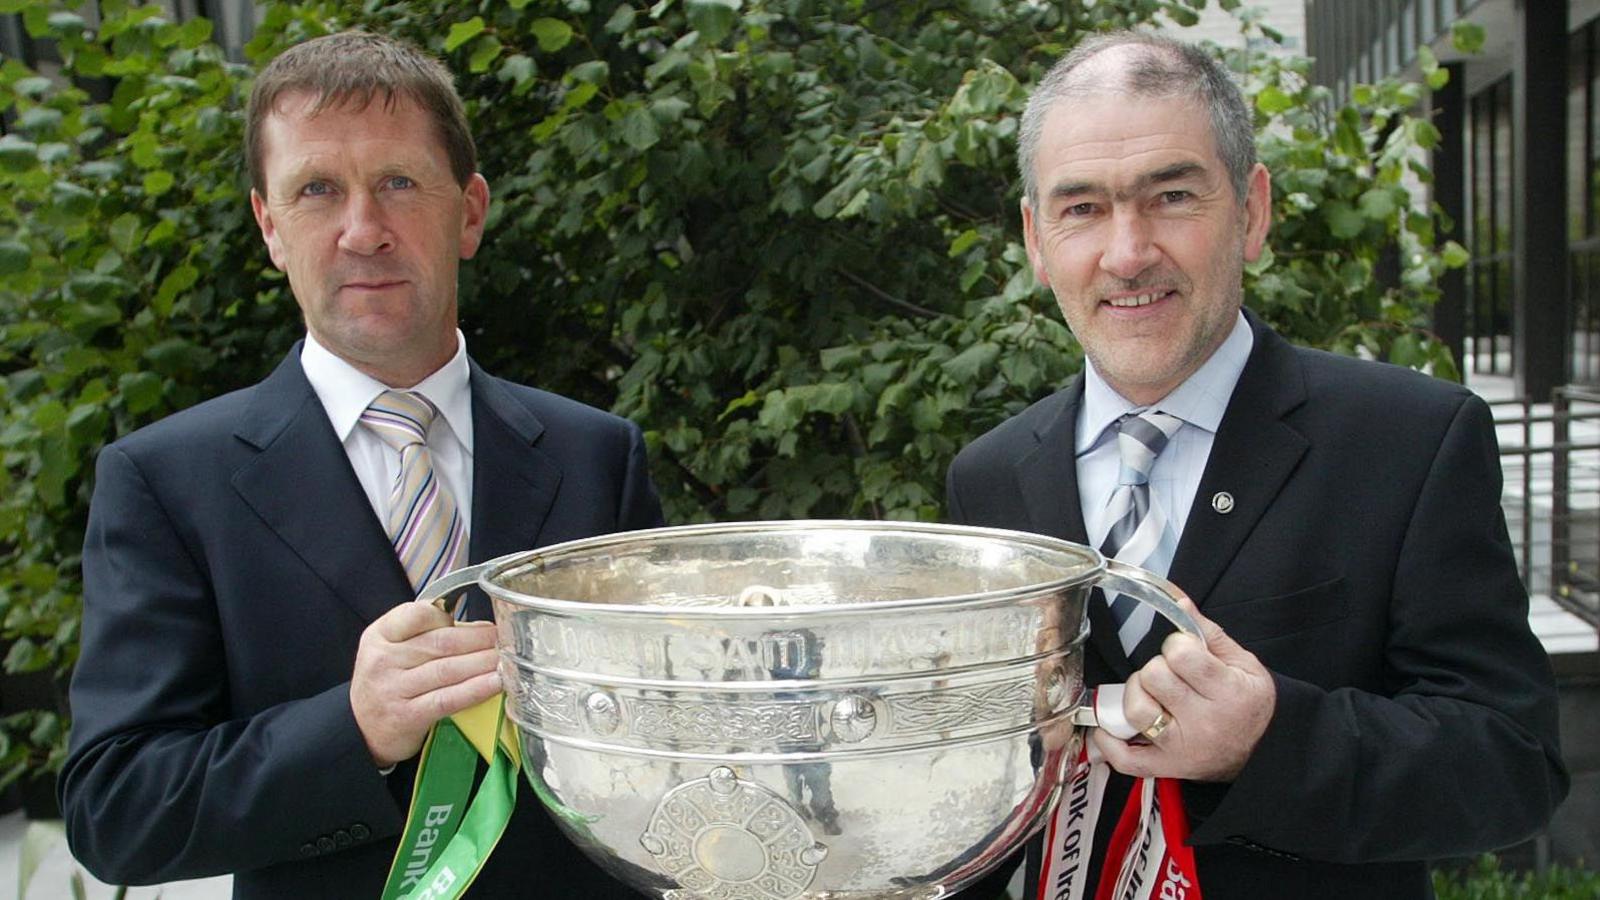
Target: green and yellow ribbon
{"x": 450, "y": 831}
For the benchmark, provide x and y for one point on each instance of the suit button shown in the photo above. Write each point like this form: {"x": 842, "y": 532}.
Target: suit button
{"x": 325, "y": 844}
{"x": 342, "y": 838}
{"x": 360, "y": 832}
{"x": 308, "y": 850}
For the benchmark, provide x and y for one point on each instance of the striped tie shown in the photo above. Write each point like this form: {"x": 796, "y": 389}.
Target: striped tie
{"x": 1140, "y": 534}
{"x": 424, "y": 524}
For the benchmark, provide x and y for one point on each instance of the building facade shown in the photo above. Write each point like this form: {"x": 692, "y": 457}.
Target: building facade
{"x": 1518, "y": 169}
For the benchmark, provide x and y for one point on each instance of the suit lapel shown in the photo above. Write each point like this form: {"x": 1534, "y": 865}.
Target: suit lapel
{"x": 1254, "y": 453}
{"x": 513, "y": 482}
{"x": 1047, "y": 476}
{"x": 301, "y": 485}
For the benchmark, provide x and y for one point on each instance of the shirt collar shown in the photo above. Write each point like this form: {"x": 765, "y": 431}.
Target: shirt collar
{"x": 1200, "y": 400}
{"x": 346, "y": 391}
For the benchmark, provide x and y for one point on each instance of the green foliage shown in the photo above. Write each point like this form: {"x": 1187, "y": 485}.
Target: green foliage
{"x": 1485, "y": 880}
{"x": 1467, "y": 36}
{"x": 1355, "y": 254}
{"x": 32, "y": 744}
{"x": 782, "y": 235}
{"x": 129, "y": 288}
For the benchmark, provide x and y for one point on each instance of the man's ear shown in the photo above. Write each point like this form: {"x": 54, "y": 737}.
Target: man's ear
{"x": 269, "y": 231}
{"x": 1030, "y": 237}
{"x": 1257, "y": 212}
{"x": 475, "y": 211}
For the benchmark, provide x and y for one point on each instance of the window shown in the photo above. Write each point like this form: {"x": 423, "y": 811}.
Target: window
{"x": 1489, "y": 283}
{"x": 1583, "y": 202}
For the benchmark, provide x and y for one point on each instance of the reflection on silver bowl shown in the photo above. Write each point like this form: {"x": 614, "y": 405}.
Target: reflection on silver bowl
{"x": 797, "y": 710}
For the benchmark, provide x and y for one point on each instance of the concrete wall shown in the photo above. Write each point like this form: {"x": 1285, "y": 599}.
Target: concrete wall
{"x": 1575, "y": 833}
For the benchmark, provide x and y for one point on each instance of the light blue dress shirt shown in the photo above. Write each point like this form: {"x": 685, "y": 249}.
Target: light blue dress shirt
{"x": 1200, "y": 401}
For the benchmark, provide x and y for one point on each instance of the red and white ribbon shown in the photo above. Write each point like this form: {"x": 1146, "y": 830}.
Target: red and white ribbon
{"x": 1148, "y": 857}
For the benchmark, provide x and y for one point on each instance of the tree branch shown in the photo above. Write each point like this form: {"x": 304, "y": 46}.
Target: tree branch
{"x": 885, "y": 296}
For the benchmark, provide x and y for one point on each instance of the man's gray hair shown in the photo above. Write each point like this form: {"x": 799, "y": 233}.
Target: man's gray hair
{"x": 1162, "y": 67}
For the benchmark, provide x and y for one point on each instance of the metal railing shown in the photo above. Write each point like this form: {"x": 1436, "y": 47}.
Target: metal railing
{"x": 1550, "y": 454}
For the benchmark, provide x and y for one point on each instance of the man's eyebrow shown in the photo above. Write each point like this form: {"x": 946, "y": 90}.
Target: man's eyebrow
{"x": 307, "y": 169}
{"x": 1074, "y": 188}
{"x": 291, "y": 181}
{"x": 1174, "y": 172}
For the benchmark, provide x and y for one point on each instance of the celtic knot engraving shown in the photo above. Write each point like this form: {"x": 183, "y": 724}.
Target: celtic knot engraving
{"x": 725, "y": 839}
{"x": 715, "y": 722}
{"x": 551, "y": 705}
{"x": 943, "y": 710}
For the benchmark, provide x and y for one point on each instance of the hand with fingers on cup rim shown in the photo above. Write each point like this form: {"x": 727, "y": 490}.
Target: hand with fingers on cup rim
{"x": 1204, "y": 707}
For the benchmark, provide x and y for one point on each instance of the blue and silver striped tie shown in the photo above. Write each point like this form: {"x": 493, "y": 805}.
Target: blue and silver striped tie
{"x": 1140, "y": 534}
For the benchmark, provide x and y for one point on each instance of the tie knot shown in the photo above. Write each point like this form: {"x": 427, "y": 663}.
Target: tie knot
{"x": 400, "y": 418}
{"x": 1141, "y": 436}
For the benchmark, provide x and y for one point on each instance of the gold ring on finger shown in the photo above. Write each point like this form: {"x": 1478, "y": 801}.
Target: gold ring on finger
{"x": 1159, "y": 725}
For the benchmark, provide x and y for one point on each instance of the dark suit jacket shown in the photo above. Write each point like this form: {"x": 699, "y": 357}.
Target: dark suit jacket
{"x": 231, "y": 564}
{"x": 1366, "y": 562}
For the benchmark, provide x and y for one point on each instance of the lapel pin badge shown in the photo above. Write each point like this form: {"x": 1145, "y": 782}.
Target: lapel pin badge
{"x": 1222, "y": 502}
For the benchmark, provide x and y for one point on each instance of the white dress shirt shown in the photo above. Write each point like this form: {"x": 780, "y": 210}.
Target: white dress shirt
{"x": 1199, "y": 401}
{"x": 346, "y": 391}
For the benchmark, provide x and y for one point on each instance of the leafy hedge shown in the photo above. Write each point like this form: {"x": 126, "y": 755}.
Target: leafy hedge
{"x": 780, "y": 234}
{"x": 128, "y": 289}
{"x": 1484, "y": 879}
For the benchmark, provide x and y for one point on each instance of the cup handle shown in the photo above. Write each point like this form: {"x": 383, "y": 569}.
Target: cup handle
{"x": 1104, "y": 708}
{"x": 446, "y": 590}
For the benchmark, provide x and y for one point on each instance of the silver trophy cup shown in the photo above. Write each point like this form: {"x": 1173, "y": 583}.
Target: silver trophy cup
{"x": 799, "y": 710}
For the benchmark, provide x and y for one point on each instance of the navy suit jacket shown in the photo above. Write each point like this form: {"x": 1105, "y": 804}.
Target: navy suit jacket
{"x": 1365, "y": 561}
{"x": 230, "y": 566}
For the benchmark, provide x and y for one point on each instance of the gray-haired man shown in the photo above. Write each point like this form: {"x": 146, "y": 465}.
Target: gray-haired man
{"x": 1369, "y": 695}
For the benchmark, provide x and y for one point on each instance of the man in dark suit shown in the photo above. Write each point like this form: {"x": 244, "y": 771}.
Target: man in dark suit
{"x": 254, "y": 686}
{"x": 1369, "y": 695}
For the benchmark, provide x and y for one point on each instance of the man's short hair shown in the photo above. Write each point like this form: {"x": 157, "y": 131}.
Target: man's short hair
{"x": 356, "y": 68}
{"x": 1160, "y": 67}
